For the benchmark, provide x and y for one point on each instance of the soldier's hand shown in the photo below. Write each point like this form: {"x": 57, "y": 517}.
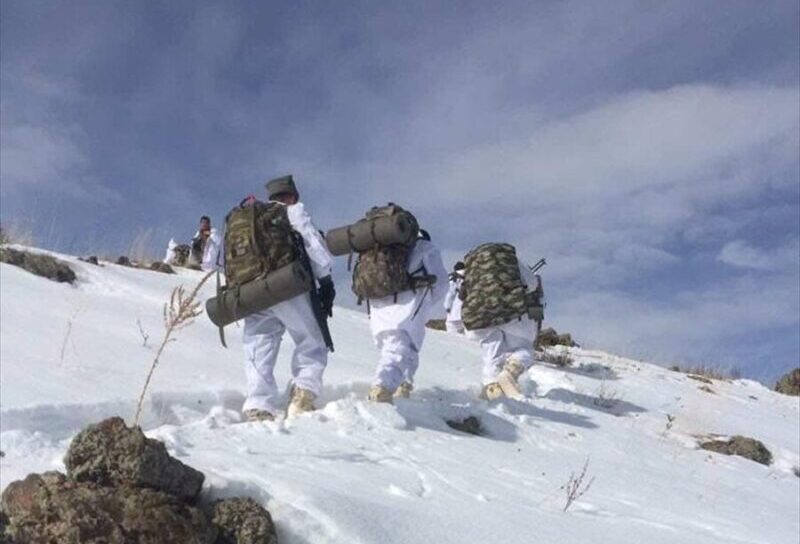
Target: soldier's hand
{"x": 327, "y": 293}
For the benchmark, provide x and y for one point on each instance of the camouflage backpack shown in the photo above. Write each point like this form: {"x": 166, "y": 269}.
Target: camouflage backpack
{"x": 383, "y": 270}
{"x": 182, "y": 253}
{"x": 259, "y": 239}
{"x": 493, "y": 291}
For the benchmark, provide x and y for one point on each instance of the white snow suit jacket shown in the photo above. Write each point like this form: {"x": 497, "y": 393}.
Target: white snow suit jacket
{"x": 386, "y": 314}
{"x": 452, "y": 302}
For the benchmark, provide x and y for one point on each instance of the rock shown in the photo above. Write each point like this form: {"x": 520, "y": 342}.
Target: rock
{"x": 110, "y": 453}
{"x": 41, "y": 265}
{"x": 549, "y": 337}
{"x": 749, "y": 448}
{"x": 242, "y": 521}
{"x": 4, "y": 521}
{"x": 162, "y": 267}
{"x": 789, "y": 384}
{"x": 50, "y": 508}
{"x": 91, "y": 260}
{"x": 124, "y": 261}
{"x": 436, "y": 324}
{"x": 470, "y": 425}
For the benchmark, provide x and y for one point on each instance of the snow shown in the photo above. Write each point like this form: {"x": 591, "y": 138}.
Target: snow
{"x": 359, "y": 472}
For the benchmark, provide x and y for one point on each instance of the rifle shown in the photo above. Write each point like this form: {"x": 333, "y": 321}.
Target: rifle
{"x": 538, "y": 266}
{"x": 534, "y": 269}
{"x": 316, "y": 303}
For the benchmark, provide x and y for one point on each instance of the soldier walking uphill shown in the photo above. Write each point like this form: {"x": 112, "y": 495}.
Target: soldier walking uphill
{"x": 452, "y": 302}
{"x": 284, "y": 235}
{"x": 501, "y": 299}
{"x": 400, "y": 275}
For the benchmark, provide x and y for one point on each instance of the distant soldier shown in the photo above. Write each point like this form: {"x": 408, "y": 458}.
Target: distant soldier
{"x": 500, "y": 310}
{"x": 199, "y": 240}
{"x": 452, "y": 302}
{"x": 281, "y": 220}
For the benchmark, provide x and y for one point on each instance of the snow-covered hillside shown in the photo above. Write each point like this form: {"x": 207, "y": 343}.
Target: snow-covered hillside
{"x": 356, "y": 472}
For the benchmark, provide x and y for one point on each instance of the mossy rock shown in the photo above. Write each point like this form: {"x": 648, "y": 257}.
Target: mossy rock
{"x": 39, "y": 264}
{"x": 789, "y": 384}
{"x": 749, "y": 448}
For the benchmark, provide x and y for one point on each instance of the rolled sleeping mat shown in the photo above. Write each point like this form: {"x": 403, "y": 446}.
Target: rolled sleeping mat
{"x": 258, "y": 295}
{"x": 368, "y": 233}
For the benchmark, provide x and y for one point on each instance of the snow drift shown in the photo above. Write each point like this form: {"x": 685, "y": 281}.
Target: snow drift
{"x": 357, "y": 472}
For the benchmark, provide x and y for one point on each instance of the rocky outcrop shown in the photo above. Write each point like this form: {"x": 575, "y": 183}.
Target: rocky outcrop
{"x": 549, "y": 337}
{"x": 51, "y": 508}
{"x": 789, "y": 384}
{"x": 123, "y": 488}
{"x": 242, "y": 521}
{"x": 39, "y": 264}
{"x": 111, "y": 454}
{"x": 749, "y": 448}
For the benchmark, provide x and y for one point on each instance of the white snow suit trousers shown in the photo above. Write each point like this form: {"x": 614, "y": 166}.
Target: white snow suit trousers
{"x": 399, "y": 359}
{"x": 499, "y": 344}
{"x": 262, "y": 336}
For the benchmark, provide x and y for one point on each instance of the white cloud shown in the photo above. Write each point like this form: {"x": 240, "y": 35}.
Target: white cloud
{"x": 34, "y": 156}
{"x": 740, "y": 254}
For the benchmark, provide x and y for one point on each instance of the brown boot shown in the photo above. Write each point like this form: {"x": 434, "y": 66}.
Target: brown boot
{"x": 491, "y": 391}
{"x": 515, "y": 368}
{"x": 302, "y": 401}
{"x": 254, "y": 414}
{"x": 404, "y": 391}
{"x": 378, "y": 393}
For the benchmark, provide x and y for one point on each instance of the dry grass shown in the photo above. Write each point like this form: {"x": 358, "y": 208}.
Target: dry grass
{"x": 606, "y": 397}
{"x": 557, "y": 358}
{"x": 577, "y": 486}
{"x": 179, "y": 313}
{"x": 710, "y": 372}
{"x": 142, "y": 248}
{"x": 17, "y": 233}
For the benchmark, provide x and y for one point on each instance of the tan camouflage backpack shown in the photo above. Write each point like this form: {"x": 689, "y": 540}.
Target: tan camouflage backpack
{"x": 182, "y": 253}
{"x": 259, "y": 239}
{"x": 383, "y": 270}
{"x": 493, "y": 291}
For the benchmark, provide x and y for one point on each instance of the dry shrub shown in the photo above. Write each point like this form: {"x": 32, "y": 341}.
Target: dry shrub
{"x": 557, "y": 358}
{"x": 179, "y": 313}
{"x": 577, "y": 486}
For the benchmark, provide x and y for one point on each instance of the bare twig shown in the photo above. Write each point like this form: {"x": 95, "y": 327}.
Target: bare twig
{"x": 145, "y": 336}
{"x": 575, "y": 487}
{"x": 67, "y": 334}
{"x": 179, "y": 313}
{"x": 606, "y": 398}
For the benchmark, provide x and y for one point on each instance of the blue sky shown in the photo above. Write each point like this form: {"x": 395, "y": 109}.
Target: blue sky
{"x": 649, "y": 150}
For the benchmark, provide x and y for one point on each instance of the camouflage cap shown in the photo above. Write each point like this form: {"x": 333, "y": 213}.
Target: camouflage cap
{"x": 281, "y": 185}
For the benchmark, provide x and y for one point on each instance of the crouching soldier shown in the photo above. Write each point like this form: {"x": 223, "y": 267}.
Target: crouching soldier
{"x": 291, "y": 258}
{"x": 401, "y": 277}
{"x": 452, "y": 302}
{"x": 500, "y": 310}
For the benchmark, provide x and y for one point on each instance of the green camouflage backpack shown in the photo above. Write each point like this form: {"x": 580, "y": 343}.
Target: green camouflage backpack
{"x": 259, "y": 239}
{"x": 493, "y": 291}
{"x": 383, "y": 270}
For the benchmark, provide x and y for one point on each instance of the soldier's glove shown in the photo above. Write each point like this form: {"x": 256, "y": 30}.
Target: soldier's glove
{"x": 327, "y": 293}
